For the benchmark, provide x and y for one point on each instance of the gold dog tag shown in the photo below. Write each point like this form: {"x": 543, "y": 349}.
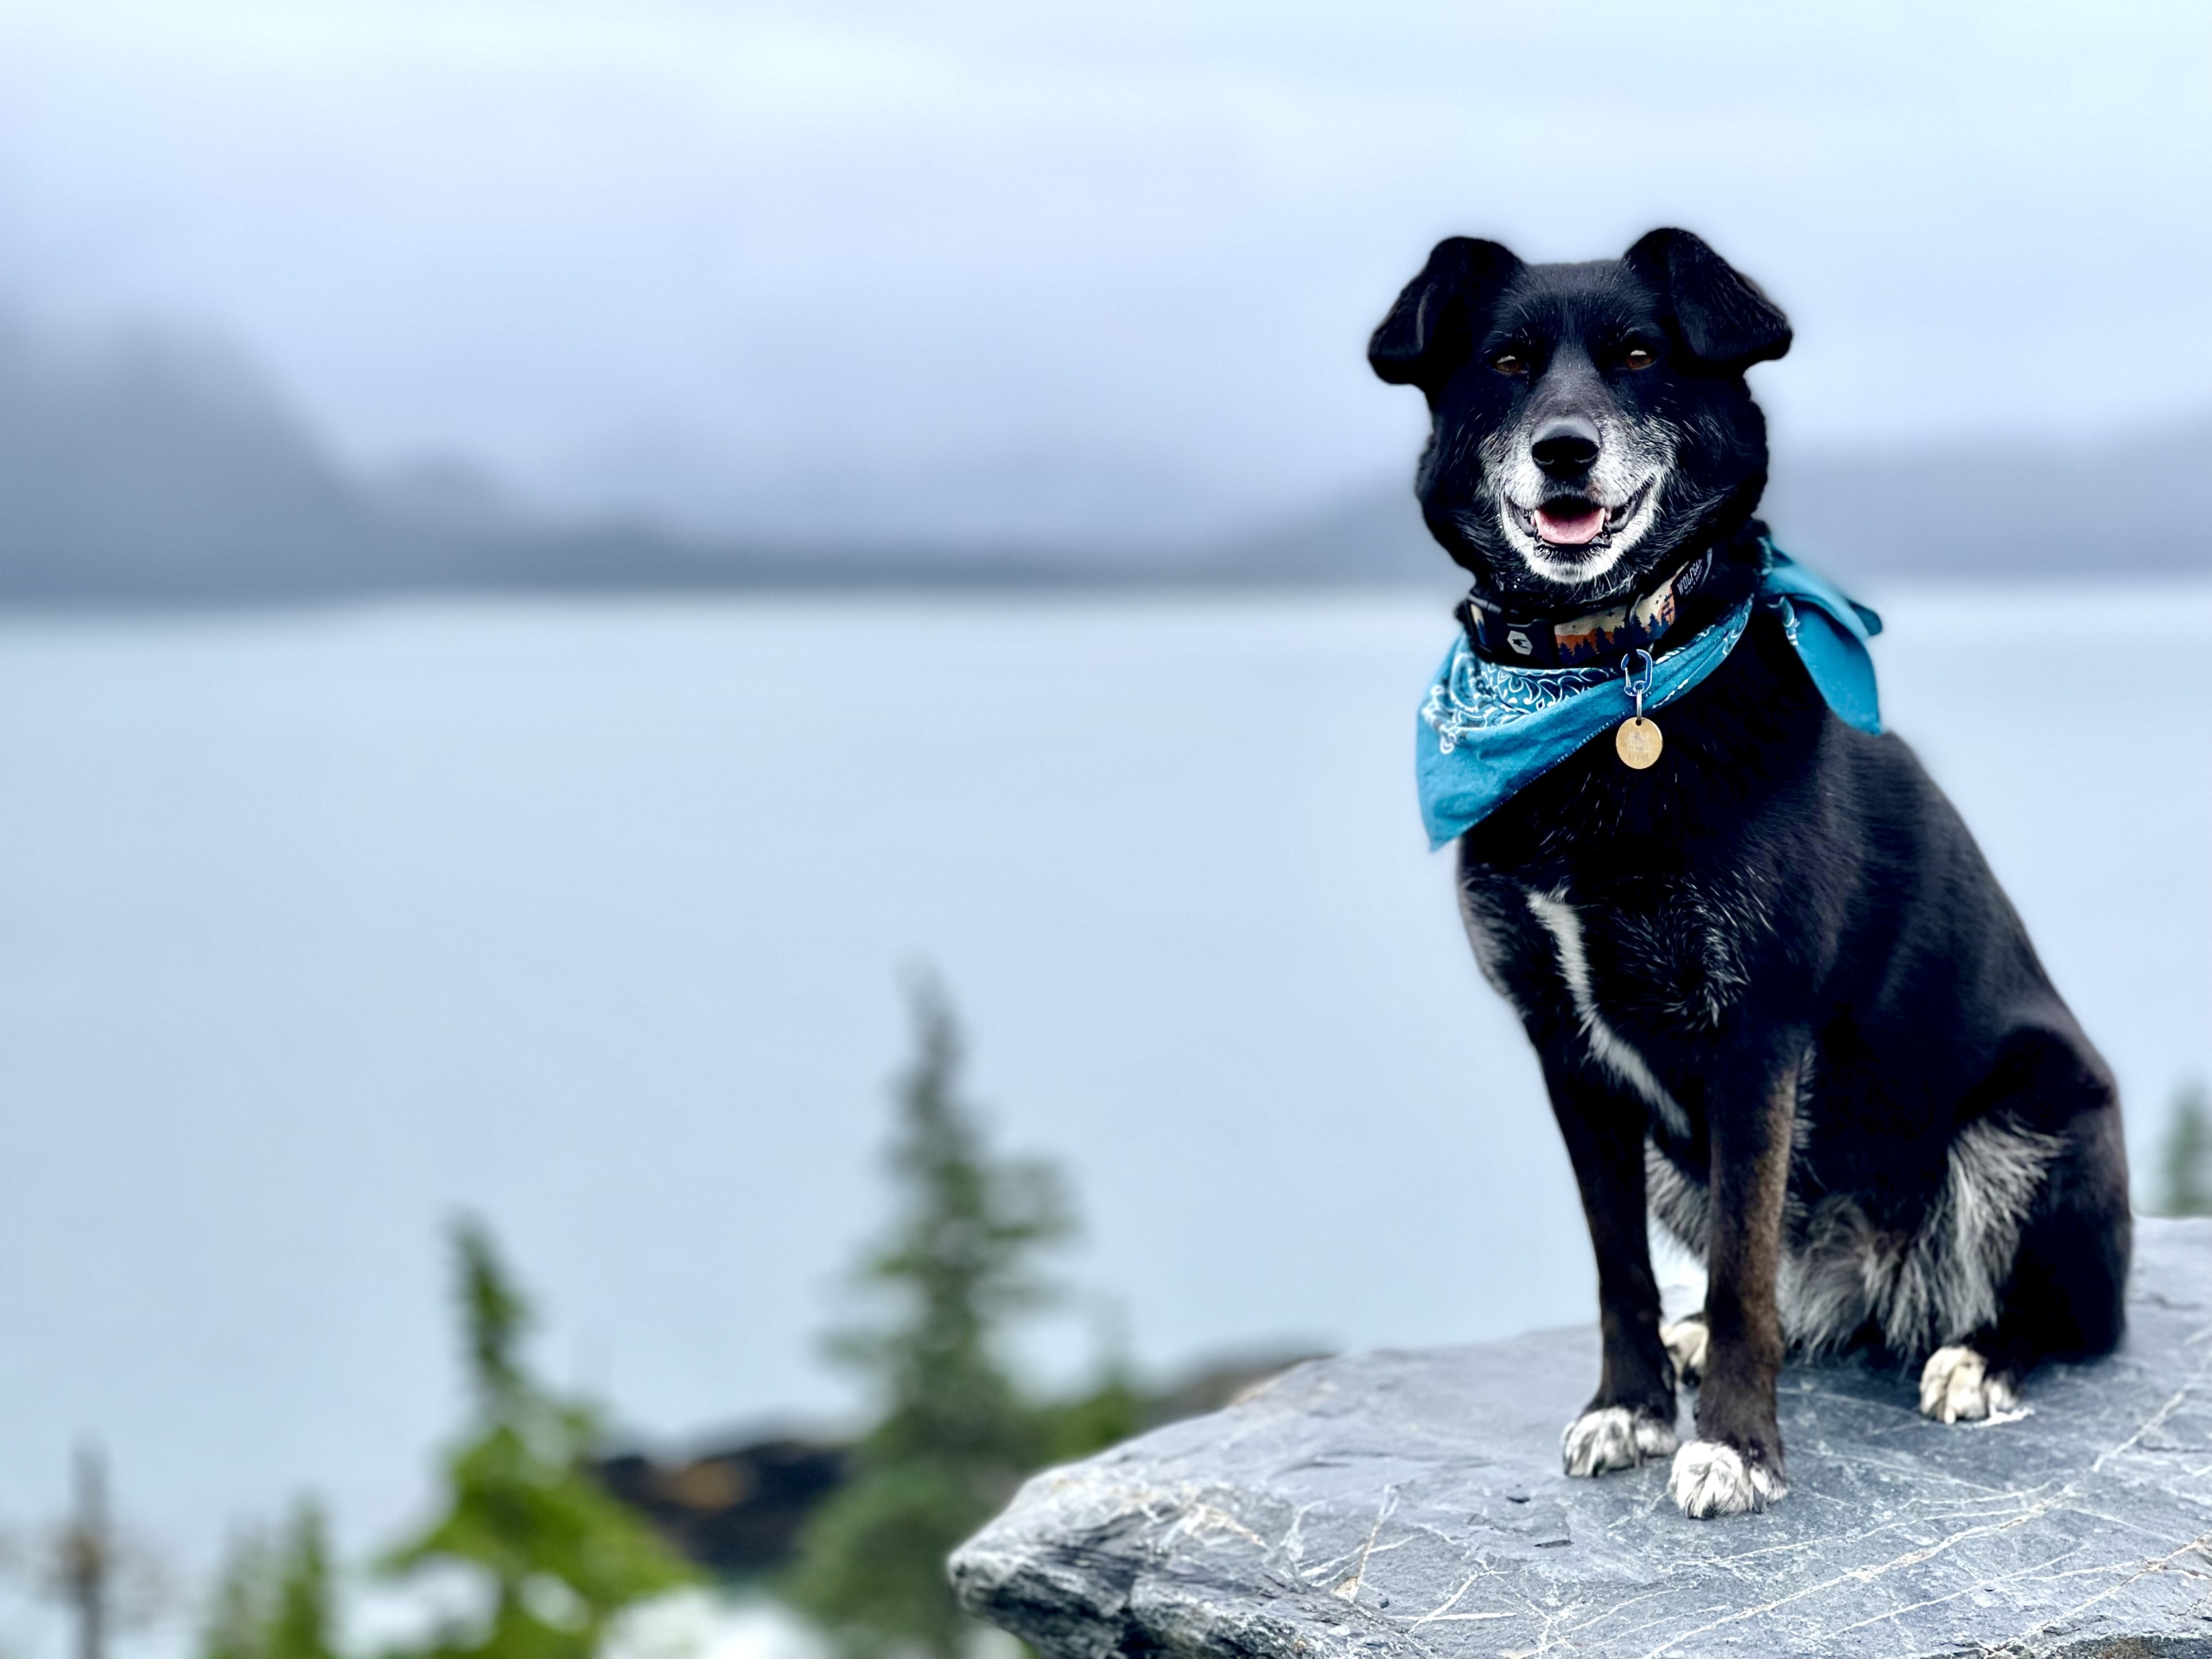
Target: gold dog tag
{"x": 1638, "y": 742}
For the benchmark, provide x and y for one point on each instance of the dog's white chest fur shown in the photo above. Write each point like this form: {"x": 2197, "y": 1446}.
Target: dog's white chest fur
{"x": 1607, "y": 1046}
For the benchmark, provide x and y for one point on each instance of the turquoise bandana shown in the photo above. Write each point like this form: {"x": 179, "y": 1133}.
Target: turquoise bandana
{"x": 1489, "y": 730}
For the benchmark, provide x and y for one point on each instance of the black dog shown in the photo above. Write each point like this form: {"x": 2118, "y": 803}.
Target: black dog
{"x": 1779, "y": 999}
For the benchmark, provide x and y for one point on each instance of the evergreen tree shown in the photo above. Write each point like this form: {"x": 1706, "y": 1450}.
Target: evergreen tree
{"x": 556, "y": 1557}
{"x": 956, "y": 1436}
{"x": 238, "y": 1610}
{"x": 2188, "y": 1158}
{"x": 274, "y": 1598}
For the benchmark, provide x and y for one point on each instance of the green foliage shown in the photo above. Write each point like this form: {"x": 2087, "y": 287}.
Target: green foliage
{"x": 274, "y": 1598}
{"x": 494, "y": 1319}
{"x": 956, "y": 1435}
{"x": 2186, "y": 1163}
{"x": 555, "y": 1557}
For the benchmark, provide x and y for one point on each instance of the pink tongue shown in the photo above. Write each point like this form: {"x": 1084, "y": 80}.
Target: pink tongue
{"x": 1570, "y": 528}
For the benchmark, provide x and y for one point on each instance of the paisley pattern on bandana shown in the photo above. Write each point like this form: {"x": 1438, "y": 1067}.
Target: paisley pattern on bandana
{"x": 1476, "y": 695}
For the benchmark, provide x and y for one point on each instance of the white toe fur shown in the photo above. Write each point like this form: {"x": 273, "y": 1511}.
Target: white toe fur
{"x": 1956, "y": 1386}
{"x": 1710, "y": 1478}
{"x": 1687, "y": 1343}
{"x": 1613, "y": 1437}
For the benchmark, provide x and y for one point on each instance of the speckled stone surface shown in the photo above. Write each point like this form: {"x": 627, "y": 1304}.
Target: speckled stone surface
{"x": 1412, "y": 1504}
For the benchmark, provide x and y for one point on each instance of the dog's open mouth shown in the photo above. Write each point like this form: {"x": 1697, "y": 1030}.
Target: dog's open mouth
{"x": 1577, "y": 521}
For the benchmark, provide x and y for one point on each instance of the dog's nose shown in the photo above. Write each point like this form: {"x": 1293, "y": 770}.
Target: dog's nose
{"x": 1566, "y": 447}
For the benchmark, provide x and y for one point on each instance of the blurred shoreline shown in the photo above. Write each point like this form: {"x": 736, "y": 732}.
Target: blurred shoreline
{"x": 157, "y": 474}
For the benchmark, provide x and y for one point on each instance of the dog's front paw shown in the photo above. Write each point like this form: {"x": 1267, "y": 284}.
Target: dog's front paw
{"x": 1957, "y": 1386}
{"x": 1614, "y": 1437}
{"x": 1686, "y": 1341}
{"x": 1711, "y": 1479}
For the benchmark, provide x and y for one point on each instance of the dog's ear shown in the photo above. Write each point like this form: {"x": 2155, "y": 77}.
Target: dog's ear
{"x": 1437, "y": 320}
{"x": 1721, "y": 313}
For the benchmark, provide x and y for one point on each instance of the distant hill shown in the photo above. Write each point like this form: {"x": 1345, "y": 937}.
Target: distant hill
{"x": 151, "y": 472}
{"x": 2129, "y": 504}
{"x": 151, "y": 469}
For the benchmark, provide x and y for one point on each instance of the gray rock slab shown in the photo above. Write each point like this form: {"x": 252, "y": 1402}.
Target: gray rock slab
{"x": 1411, "y": 1503}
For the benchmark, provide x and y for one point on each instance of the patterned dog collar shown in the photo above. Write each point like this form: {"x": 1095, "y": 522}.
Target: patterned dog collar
{"x": 1601, "y": 637}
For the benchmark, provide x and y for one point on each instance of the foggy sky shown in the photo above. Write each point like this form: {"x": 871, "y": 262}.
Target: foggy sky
{"x": 989, "y": 268}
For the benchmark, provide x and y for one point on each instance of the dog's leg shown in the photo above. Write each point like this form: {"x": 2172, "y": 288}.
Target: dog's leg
{"x": 1735, "y": 1463}
{"x": 1631, "y": 1420}
{"x": 2065, "y": 1294}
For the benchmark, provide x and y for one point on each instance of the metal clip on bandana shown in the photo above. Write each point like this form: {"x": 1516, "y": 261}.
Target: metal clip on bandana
{"x": 1488, "y": 730}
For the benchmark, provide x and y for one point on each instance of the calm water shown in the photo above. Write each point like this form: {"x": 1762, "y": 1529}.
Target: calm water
{"x": 317, "y": 926}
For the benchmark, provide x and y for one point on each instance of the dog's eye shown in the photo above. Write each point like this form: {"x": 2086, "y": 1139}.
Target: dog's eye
{"x": 1637, "y": 357}
{"x": 1509, "y": 363}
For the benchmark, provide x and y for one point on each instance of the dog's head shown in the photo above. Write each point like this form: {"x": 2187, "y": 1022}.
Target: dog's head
{"x": 1591, "y": 422}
